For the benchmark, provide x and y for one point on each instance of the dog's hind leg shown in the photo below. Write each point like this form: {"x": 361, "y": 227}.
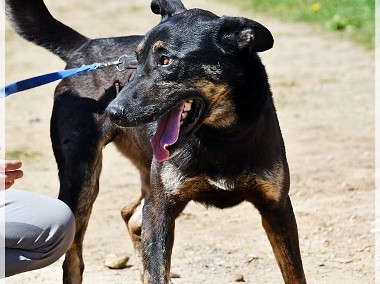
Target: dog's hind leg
{"x": 73, "y": 265}
{"x": 77, "y": 145}
{"x": 281, "y": 228}
{"x": 132, "y": 216}
{"x": 79, "y": 189}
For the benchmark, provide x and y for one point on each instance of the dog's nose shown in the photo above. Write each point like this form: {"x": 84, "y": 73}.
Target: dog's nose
{"x": 116, "y": 113}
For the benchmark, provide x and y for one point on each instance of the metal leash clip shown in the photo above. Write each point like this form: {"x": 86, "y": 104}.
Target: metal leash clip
{"x": 126, "y": 62}
{"x": 123, "y": 63}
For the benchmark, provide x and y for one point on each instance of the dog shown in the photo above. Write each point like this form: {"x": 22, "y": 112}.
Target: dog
{"x": 196, "y": 118}
{"x": 202, "y": 96}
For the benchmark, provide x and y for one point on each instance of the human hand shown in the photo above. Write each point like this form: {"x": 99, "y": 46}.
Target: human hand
{"x": 9, "y": 172}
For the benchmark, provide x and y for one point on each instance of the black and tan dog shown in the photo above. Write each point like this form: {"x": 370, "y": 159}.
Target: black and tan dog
{"x": 197, "y": 120}
{"x": 217, "y": 139}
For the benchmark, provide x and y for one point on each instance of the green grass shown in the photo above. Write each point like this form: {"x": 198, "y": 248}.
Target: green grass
{"x": 354, "y": 19}
{"x": 21, "y": 154}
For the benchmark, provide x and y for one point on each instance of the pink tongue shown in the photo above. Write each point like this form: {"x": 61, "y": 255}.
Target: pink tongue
{"x": 167, "y": 133}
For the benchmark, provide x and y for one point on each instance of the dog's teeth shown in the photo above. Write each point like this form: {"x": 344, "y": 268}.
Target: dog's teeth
{"x": 187, "y": 105}
{"x": 184, "y": 115}
{"x": 186, "y": 109}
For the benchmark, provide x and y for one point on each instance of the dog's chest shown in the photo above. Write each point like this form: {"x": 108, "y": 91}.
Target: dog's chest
{"x": 221, "y": 183}
{"x": 174, "y": 181}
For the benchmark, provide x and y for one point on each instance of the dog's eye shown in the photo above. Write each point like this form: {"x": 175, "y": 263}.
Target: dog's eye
{"x": 164, "y": 60}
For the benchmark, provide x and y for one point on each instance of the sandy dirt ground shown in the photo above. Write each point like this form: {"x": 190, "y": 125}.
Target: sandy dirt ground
{"x": 324, "y": 92}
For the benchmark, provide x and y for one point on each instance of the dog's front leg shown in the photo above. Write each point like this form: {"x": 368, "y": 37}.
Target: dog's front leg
{"x": 157, "y": 241}
{"x": 160, "y": 210}
{"x": 281, "y": 228}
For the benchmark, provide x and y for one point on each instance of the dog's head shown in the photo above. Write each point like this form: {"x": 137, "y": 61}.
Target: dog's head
{"x": 192, "y": 69}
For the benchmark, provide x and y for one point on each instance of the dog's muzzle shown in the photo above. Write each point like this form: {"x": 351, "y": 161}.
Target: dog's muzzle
{"x": 115, "y": 113}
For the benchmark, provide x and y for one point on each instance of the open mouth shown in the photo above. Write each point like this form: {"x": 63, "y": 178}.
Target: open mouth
{"x": 173, "y": 125}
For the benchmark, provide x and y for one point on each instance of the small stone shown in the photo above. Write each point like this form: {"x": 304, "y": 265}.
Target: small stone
{"x": 239, "y": 278}
{"x": 252, "y": 257}
{"x": 113, "y": 261}
{"x": 174, "y": 275}
{"x": 344, "y": 260}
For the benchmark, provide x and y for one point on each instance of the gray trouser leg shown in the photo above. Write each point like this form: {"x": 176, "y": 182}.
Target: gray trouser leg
{"x": 38, "y": 230}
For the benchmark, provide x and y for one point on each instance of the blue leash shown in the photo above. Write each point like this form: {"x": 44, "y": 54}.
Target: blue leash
{"x": 123, "y": 63}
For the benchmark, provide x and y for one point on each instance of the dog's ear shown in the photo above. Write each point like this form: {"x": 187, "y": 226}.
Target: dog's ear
{"x": 239, "y": 34}
{"x": 167, "y": 8}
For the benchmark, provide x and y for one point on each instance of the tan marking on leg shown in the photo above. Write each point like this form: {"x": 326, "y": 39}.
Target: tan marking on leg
{"x": 273, "y": 184}
{"x": 72, "y": 266}
{"x": 271, "y": 192}
{"x": 281, "y": 228}
{"x": 134, "y": 228}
